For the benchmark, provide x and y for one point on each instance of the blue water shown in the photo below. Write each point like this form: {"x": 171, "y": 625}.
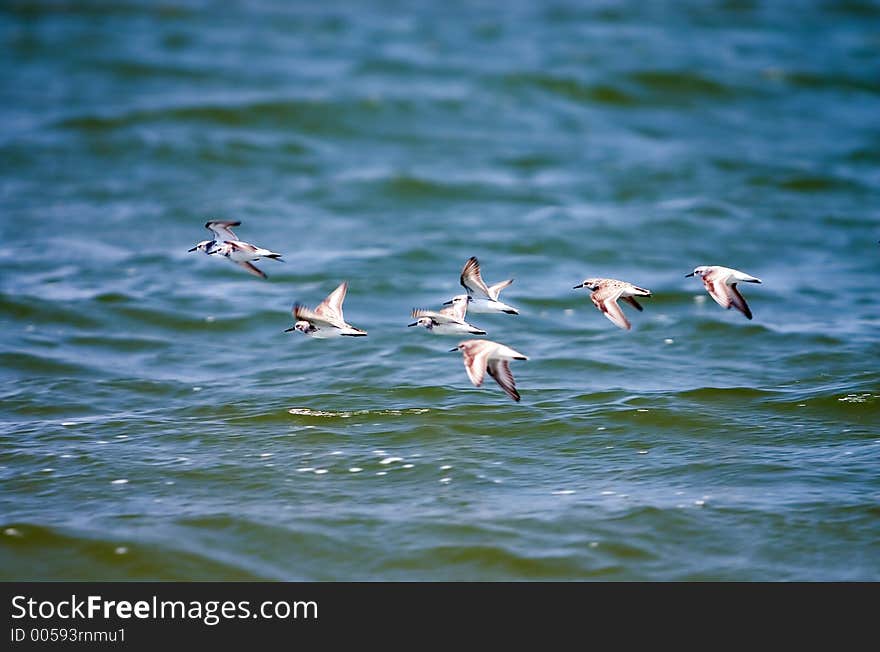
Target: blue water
{"x": 156, "y": 423}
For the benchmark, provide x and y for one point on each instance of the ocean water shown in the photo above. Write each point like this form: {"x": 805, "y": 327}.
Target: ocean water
{"x": 156, "y": 423}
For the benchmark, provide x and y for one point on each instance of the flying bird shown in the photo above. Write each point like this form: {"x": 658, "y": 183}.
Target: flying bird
{"x": 481, "y": 356}
{"x": 327, "y": 319}
{"x": 447, "y": 321}
{"x": 606, "y": 292}
{"x": 721, "y": 283}
{"x": 227, "y": 244}
{"x": 484, "y": 298}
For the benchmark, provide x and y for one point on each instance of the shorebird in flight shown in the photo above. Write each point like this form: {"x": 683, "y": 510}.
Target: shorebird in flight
{"x": 227, "y": 244}
{"x": 606, "y": 292}
{"x": 447, "y": 321}
{"x": 721, "y": 283}
{"x": 484, "y": 299}
{"x": 481, "y": 356}
{"x": 327, "y": 319}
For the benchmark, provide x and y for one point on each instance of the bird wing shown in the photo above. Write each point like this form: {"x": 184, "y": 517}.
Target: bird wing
{"x": 222, "y": 229}
{"x": 500, "y": 371}
{"x": 475, "y": 365}
{"x": 606, "y": 302}
{"x": 304, "y": 313}
{"x": 441, "y": 317}
{"x": 719, "y": 291}
{"x": 330, "y": 308}
{"x": 238, "y": 245}
{"x": 495, "y": 290}
{"x": 457, "y": 311}
{"x": 471, "y": 279}
{"x": 251, "y": 268}
{"x": 635, "y": 304}
{"x": 739, "y": 302}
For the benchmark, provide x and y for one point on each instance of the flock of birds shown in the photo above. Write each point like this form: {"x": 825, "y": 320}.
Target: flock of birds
{"x": 480, "y": 356}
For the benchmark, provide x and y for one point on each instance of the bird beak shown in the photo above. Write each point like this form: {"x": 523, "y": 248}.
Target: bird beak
{"x": 453, "y": 350}
{"x": 193, "y": 249}
{"x": 691, "y": 274}
{"x": 292, "y": 328}
{"x": 448, "y": 303}
{"x": 415, "y": 323}
{"x": 578, "y": 287}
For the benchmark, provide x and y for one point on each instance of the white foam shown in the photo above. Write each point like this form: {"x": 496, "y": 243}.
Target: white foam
{"x": 47, "y": 470}
{"x": 197, "y": 389}
{"x": 563, "y": 492}
{"x": 266, "y": 454}
{"x": 12, "y": 532}
{"x": 336, "y": 453}
{"x": 390, "y": 460}
{"x": 608, "y": 493}
{"x": 68, "y": 423}
{"x": 381, "y": 472}
{"x": 668, "y": 340}
{"x": 306, "y": 469}
{"x": 355, "y": 469}
{"x": 121, "y": 550}
{"x": 320, "y": 471}
{"x": 408, "y": 466}
{"x": 445, "y": 467}
{"x": 643, "y": 452}
{"x": 446, "y": 480}
{"x": 120, "y": 481}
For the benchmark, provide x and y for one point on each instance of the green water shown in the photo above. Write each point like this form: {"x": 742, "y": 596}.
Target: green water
{"x": 155, "y": 422}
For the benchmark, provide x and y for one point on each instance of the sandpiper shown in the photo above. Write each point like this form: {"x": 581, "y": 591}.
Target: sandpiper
{"x": 481, "y": 356}
{"x": 721, "y": 283}
{"x": 227, "y": 244}
{"x": 242, "y": 253}
{"x": 447, "y": 321}
{"x": 326, "y": 320}
{"x": 484, "y": 298}
{"x": 606, "y": 292}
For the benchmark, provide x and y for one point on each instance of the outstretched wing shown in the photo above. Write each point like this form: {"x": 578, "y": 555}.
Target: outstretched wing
{"x": 330, "y": 308}
{"x": 606, "y": 302}
{"x": 635, "y": 304}
{"x": 495, "y": 290}
{"x": 500, "y": 371}
{"x": 475, "y": 364}
{"x": 256, "y": 271}
{"x": 438, "y": 317}
{"x": 719, "y": 291}
{"x": 222, "y": 229}
{"x": 739, "y": 301}
{"x": 303, "y": 313}
{"x": 457, "y": 311}
{"x": 471, "y": 279}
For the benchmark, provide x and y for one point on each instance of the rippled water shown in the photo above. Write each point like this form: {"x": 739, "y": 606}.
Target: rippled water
{"x": 157, "y": 423}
